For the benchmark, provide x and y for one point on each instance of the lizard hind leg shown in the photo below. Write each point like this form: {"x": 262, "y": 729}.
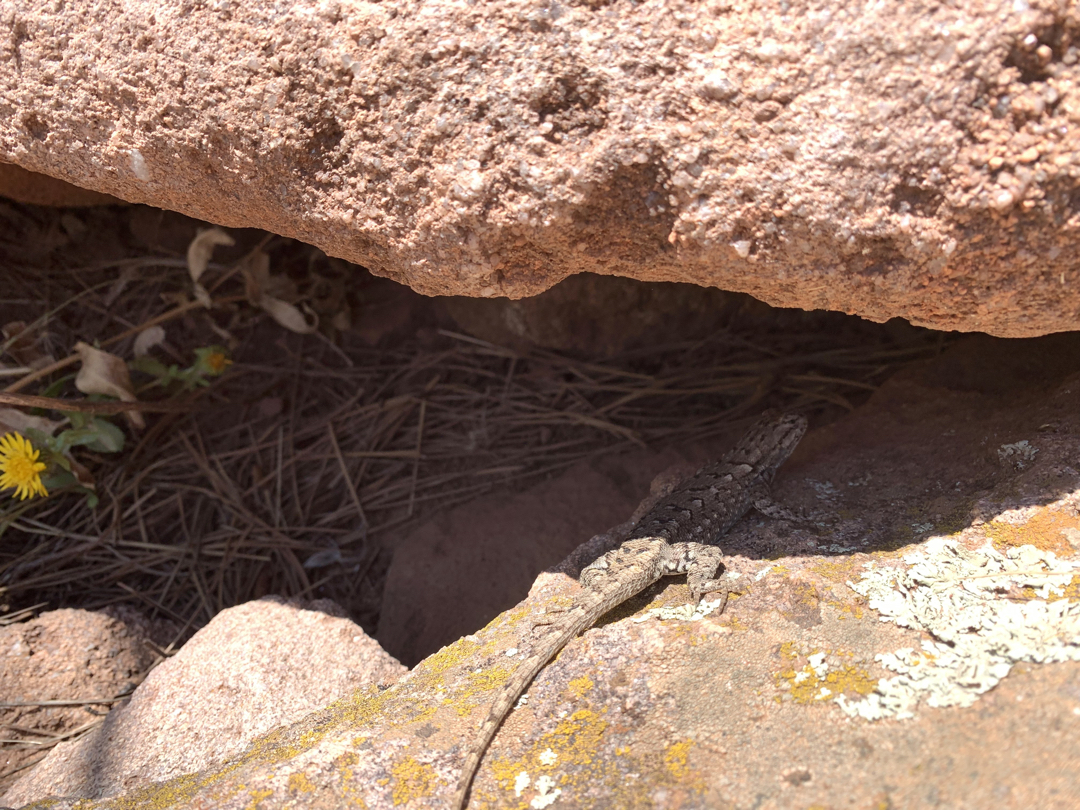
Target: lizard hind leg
{"x": 646, "y": 553}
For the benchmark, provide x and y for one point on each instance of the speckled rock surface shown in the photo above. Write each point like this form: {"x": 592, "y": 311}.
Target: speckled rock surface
{"x": 887, "y": 160}
{"x": 658, "y": 706}
{"x": 253, "y": 667}
{"x": 66, "y": 655}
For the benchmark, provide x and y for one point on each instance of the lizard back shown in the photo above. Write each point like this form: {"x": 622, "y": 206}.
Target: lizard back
{"x": 710, "y": 502}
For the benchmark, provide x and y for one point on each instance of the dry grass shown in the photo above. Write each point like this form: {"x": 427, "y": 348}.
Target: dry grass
{"x": 293, "y": 473}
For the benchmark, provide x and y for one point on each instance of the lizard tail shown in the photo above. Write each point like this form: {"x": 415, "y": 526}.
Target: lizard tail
{"x": 557, "y": 637}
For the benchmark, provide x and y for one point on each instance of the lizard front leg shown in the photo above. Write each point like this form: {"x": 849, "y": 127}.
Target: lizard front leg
{"x": 700, "y": 563}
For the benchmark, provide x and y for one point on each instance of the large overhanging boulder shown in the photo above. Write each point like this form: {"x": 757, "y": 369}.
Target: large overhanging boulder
{"x": 883, "y": 159}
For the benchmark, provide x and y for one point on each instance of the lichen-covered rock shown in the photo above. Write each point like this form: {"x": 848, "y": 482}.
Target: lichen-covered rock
{"x": 884, "y": 160}
{"x": 662, "y": 706}
{"x": 253, "y": 667}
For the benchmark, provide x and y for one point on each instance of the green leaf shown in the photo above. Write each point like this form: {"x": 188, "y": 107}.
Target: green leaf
{"x": 39, "y": 438}
{"x": 53, "y": 448}
{"x": 58, "y": 480}
{"x": 78, "y": 419}
{"x": 56, "y": 386}
{"x": 61, "y": 480}
{"x": 98, "y": 435}
{"x": 149, "y": 365}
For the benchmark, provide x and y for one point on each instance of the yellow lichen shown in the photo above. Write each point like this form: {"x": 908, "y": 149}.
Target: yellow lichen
{"x": 734, "y": 622}
{"x": 410, "y": 702}
{"x": 574, "y": 741}
{"x": 257, "y": 796}
{"x": 1070, "y": 592}
{"x": 412, "y": 780}
{"x": 577, "y": 737}
{"x": 789, "y": 651}
{"x": 438, "y": 663}
{"x": 571, "y": 761}
{"x": 488, "y": 679}
{"x": 579, "y": 686}
{"x": 478, "y": 683}
{"x": 299, "y": 783}
{"x": 816, "y": 684}
{"x": 676, "y": 758}
{"x": 346, "y": 760}
{"x": 853, "y": 610}
{"x": 835, "y": 569}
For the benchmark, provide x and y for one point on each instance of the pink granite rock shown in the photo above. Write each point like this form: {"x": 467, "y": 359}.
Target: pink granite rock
{"x": 253, "y": 667}
{"x": 877, "y": 160}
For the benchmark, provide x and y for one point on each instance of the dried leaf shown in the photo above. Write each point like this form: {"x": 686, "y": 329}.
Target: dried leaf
{"x": 256, "y": 272}
{"x": 202, "y": 247}
{"x": 13, "y": 328}
{"x": 13, "y": 421}
{"x": 104, "y": 373}
{"x": 258, "y": 281}
{"x": 148, "y": 339}
{"x": 81, "y": 473}
{"x": 324, "y": 557}
{"x": 269, "y": 293}
{"x": 202, "y": 295}
{"x": 224, "y": 334}
{"x": 290, "y": 316}
{"x": 342, "y": 320}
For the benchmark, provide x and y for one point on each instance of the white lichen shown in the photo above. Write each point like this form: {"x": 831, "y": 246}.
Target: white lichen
{"x": 548, "y": 758}
{"x": 687, "y": 612}
{"x": 521, "y": 781}
{"x": 961, "y": 598}
{"x": 1019, "y": 454}
{"x": 545, "y": 796}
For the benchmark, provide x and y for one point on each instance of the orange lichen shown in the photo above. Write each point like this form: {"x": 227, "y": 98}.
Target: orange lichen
{"x": 1046, "y": 530}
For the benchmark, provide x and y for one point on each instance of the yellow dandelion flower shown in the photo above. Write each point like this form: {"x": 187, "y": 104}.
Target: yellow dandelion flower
{"x": 217, "y": 362}
{"x": 20, "y": 468}
{"x": 211, "y": 360}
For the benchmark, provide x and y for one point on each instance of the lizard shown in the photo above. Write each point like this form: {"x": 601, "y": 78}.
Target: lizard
{"x": 677, "y": 536}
